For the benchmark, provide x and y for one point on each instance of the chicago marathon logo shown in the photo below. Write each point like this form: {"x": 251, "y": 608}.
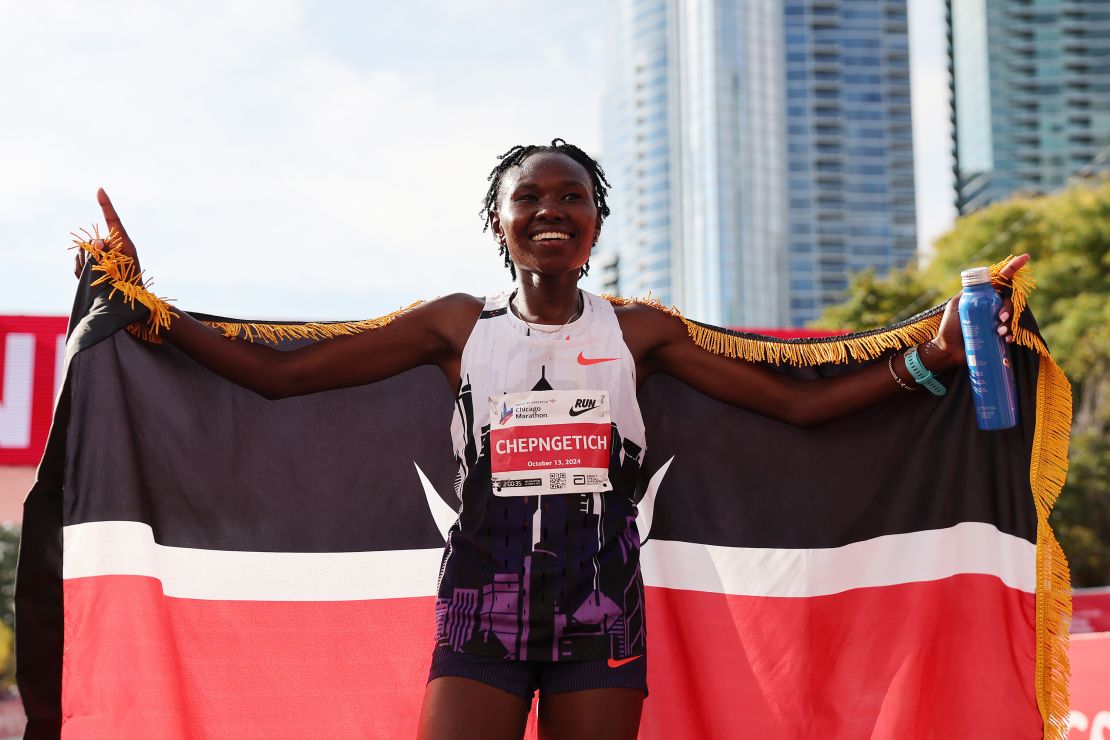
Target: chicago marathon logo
{"x": 506, "y": 412}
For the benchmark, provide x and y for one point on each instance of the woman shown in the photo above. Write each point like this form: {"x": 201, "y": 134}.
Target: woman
{"x": 546, "y": 364}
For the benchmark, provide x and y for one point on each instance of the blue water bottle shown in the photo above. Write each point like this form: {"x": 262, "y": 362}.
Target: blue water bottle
{"x": 988, "y": 358}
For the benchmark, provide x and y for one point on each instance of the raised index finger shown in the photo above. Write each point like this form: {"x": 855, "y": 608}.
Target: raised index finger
{"x": 1011, "y": 268}
{"x": 111, "y": 217}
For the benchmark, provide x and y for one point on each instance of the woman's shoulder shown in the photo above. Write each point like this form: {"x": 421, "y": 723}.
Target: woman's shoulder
{"x": 645, "y": 314}
{"x": 451, "y": 316}
{"x": 448, "y": 305}
{"x": 460, "y": 301}
{"x": 647, "y": 325}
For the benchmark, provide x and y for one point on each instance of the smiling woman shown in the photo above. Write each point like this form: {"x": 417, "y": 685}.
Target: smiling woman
{"x": 540, "y": 585}
{"x": 521, "y": 189}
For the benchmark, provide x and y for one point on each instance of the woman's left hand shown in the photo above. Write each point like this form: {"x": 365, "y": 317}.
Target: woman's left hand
{"x": 949, "y": 338}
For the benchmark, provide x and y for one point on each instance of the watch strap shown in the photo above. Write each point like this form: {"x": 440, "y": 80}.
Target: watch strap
{"x": 922, "y": 375}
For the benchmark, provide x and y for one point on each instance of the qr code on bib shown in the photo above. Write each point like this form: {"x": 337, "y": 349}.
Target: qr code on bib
{"x": 558, "y": 480}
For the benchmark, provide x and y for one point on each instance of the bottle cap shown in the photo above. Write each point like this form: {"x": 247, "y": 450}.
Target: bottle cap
{"x": 975, "y": 276}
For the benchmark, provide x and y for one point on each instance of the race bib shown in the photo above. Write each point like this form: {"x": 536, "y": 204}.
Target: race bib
{"x": 544, "y": 442}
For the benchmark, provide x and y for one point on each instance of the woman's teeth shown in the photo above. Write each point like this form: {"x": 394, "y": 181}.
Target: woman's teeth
{"x": 550, "y": 235}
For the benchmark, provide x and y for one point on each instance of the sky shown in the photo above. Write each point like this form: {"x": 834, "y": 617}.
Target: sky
{"x": 292, "y": 160}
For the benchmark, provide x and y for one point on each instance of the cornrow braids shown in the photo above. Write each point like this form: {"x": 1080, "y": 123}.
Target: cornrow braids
{"x": 515, "y": 156}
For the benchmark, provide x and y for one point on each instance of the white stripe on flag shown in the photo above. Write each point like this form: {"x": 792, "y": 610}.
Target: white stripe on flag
{"x": 929, "y": 555}
{"x": 128, "y": 548}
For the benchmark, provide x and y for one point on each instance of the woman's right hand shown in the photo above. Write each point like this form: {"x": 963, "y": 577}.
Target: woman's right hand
{"x": 116, "y": 234}
{"x": 433, "y": 333}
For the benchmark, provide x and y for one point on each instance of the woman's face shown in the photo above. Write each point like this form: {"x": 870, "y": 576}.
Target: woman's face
{"x": 546, "y": 214}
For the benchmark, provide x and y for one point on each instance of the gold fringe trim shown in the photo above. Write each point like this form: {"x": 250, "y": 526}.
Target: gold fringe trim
{"x": 274, "y": 333}
{"x": 1048, "y": 467}
{"x": 756, "y": 348}
{"x": 120, "y": 272}
{"x": 1022, "y": 285}
{"x": 832, "y": 350}
{"x": 838, "y": 349}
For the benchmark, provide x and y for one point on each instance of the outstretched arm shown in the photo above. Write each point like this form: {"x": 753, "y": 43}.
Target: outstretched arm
{"x": 430, "y": 334}
{"x": 660, "y": 343}
{"x": 422, "y": 336}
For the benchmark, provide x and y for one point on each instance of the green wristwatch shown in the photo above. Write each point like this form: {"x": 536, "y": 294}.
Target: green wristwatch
{"x": 921, "y": 374}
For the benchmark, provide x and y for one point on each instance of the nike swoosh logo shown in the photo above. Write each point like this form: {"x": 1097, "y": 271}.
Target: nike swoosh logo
{"x": 619, "y": 663}
{"x": 583, "y": 360}
{"x": 579, "y": 412}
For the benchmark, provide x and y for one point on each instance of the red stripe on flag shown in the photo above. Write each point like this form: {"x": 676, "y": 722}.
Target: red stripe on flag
{"x": 952, "y": 658}
{"x": 949, "y": 658}
{"x": 142, "y": 665}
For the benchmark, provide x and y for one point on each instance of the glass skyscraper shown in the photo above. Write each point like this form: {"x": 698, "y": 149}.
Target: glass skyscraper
{"x": 1030, "y": 94}
{"x": 635, "y": 255}
{"x": 761, "y": 150}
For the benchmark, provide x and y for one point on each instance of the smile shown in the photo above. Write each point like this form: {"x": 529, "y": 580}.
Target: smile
{"x": 548, "y": 235}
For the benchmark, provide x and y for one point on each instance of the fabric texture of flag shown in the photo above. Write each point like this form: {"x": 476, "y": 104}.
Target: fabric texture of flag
{"x": 200, "y": 562}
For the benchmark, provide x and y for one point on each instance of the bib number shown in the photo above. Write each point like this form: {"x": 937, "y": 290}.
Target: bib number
{"x": 545, "y": 442}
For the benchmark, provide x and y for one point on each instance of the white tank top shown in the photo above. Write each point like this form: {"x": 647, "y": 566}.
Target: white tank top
{"x": 552, "y": 577}
{"x": 504, "y": 355}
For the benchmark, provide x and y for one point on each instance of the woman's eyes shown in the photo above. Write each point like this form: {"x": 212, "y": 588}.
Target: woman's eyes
{"x": 531, "y": 197}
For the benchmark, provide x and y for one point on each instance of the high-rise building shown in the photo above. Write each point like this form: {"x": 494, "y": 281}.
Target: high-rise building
{"x": 761, "y": 151}
{"x": 635, "y": 255}
{"x": 1030, "y": 96}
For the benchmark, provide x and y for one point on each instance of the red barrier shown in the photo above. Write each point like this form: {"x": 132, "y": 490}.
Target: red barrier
{"x": 1090, "y": 611}
{"x": 31, "y": 352}
{"x": 1090, "y": 686}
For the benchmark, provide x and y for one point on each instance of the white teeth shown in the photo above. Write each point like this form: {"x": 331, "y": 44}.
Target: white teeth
{"x": 550, "y": 235}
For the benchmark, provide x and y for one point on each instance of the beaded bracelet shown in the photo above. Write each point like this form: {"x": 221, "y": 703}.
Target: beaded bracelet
{"x": 901, "y": 383}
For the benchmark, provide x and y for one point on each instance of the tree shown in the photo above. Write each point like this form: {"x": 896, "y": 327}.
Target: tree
{"x": 9, "y": 550}
{"x": 1068, "y": 236}
{"x": 1083, "y": 511}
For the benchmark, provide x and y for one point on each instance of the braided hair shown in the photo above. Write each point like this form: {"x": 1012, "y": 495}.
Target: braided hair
{"x": 515, "y": 156}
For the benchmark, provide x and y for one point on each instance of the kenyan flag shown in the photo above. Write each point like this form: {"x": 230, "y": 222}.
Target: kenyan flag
{"x": 200, "y": 562}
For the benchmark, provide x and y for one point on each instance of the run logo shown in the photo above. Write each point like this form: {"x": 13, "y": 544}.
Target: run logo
{"x": 582, "y": 405}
